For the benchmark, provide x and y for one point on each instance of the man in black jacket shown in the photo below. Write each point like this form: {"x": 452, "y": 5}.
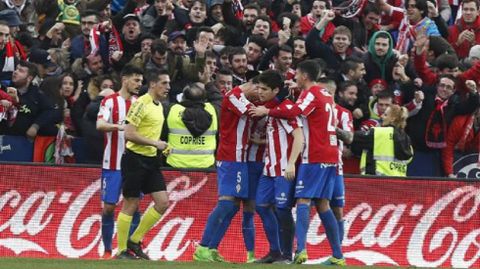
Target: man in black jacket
{"x": 36, "y": 113}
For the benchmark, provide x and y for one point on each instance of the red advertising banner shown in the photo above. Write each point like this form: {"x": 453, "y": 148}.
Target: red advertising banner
{"x": 55, "y": 212}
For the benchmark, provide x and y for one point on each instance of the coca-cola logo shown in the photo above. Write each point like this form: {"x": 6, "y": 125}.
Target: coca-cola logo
{"x": 387, "y": 222}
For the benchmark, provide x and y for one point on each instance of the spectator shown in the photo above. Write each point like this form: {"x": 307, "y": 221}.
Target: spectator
{"x": 7, "y": 56}
{"x": 466, "y": 31}
{"x": 386, "y": 150}
{"x": 14, "y": 22}
{"x": 80, "y": 44}
{"x": 380, "y": 59}
{"x": 308, "y": 21}
{"x": 463, "y": 138}
{"x": 428, "y": 129}
{"x": 192, "y": 126}
{"x": 238, "y": 61}
{"x": 37, "y": 114}
{"x": 377, "y": 106}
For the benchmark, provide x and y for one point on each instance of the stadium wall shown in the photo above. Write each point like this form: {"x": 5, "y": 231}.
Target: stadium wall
{"x": 54, "y": 212}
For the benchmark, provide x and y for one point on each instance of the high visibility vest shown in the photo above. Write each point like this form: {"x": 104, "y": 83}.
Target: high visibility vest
{"x": 187, "y": 151}
{"x": 384, "y": 155}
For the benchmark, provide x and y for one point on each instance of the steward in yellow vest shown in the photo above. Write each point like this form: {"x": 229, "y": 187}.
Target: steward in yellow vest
{"x": 386, "y": 150}
{"x": 192, "y": 128}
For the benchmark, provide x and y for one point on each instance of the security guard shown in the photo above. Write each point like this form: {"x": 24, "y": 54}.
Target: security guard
{"x": 192, "y": 128}
{"x": 385, "y": 150}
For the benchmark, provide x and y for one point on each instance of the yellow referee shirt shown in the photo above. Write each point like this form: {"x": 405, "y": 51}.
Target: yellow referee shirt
{"x": 148, "y": 118}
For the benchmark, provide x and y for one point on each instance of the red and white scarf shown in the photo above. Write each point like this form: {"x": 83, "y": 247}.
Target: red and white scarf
{"x": 9, "y": 65}
{"x": 114, "y": 40}
{"x": 406, "y": 34}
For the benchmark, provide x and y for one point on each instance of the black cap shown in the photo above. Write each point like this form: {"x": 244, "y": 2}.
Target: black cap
{"x": 10, "y": 17}
{"x": 175, "y": 34}
{"x": 41, "y": 56}
{"x": 130, "y": 16}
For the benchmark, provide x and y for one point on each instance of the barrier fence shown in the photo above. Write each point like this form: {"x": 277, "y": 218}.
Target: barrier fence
{"x": 54, "y": 212}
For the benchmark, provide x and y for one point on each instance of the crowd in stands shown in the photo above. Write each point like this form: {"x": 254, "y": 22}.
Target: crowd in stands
{"x": 59, "y": 59}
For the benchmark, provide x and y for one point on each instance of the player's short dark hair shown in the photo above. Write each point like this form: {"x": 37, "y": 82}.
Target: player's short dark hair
{"x": 224, "y": 72}
{"x": 236, "y": 51}
{"x": 447, "y": 61}
{"x": 160, "y": 46}
{"x": 130, "y": 70}
{"x": 311, "y": 68}
{"x": 271, "y": 78}
{"x": 345, "y": 85}
{"x": 32, "y": 68}
{"x": 351, "y": 63}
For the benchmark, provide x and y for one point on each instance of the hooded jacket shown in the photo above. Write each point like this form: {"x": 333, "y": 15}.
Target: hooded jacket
{"x": 379, "y": 67}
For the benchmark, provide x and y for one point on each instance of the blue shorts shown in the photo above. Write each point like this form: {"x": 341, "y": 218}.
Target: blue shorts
{"x": 111, "y": 186}
{"x": 275, "y": 191}
{"x": 315, "y": 181}
{"x": 338, "y": 197}
{"x": 255, "y": 172}
{"x": 232, "y": 179}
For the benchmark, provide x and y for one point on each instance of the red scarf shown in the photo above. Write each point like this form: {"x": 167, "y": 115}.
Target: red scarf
{"x": 9, "y": 65}
{"x": 436, "y": 132}
{"x": 114, "y": 40}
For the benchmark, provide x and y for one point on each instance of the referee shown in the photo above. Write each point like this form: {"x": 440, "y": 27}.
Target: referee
{"x": 140, "y": 166}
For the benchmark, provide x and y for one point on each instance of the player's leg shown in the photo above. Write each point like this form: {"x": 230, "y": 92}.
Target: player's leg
{"x": 226, "y": 209}
{"x": 322, "y": 204}
{"x": 248, "y": 228}
{"x": 153, "y": 184}
{"x": 255, "y": 171}
{"x": 111, "y": 187}
{"x": 337, "y": 203}
{"x": 232, "y": 182}
{"x": 305, "y": 190}
{"x": 285, "y": 190}
{"x": 265, "y": 201}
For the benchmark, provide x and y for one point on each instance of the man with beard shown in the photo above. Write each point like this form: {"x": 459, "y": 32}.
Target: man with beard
{"x": 380, "y": 59}
{"x": 177, "y": 42}
{"x": 36, "y": 113}
{"x": 111, "y": 121}
{"x": 244, "y": 26}
{"x": 80, "y": 45}
{"x": 238, "y": 61}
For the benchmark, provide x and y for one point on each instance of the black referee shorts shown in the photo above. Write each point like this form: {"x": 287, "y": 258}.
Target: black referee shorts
{"x": 140, "y": 174}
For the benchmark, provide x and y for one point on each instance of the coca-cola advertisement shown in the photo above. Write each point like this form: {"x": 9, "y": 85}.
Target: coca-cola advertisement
{"x": 55, "y": 212}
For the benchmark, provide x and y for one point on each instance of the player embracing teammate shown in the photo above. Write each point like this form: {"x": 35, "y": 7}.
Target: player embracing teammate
{"x": 317, "y": 172}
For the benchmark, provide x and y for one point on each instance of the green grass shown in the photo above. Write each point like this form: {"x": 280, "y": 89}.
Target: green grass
{"x": 27, "y": 263}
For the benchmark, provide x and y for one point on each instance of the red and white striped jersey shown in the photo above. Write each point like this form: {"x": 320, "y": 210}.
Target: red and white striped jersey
{"x": 255, "y": 152}
{"x": 345, "y": 122}
{"x": 319, "y": 121}
{"x": 113, "y": 109}
{"x": 279, "y": 142}
{"x": 234, "y": 127}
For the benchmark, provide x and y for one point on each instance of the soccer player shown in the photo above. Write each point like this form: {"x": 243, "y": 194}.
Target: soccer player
{"x": 276, "y": 187}
{"x": 232, "y": 169}
{"x": 344, "y": 132}
{"x": 317, "y": 172}
{"x": 140, "y": 167}
{"x": 111, "y": 120}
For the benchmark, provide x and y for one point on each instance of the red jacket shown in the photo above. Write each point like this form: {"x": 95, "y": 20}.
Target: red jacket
{"x": 454, "y": 31}
{"x": 455, "y": 133}
{"x": 430, "y": 78}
